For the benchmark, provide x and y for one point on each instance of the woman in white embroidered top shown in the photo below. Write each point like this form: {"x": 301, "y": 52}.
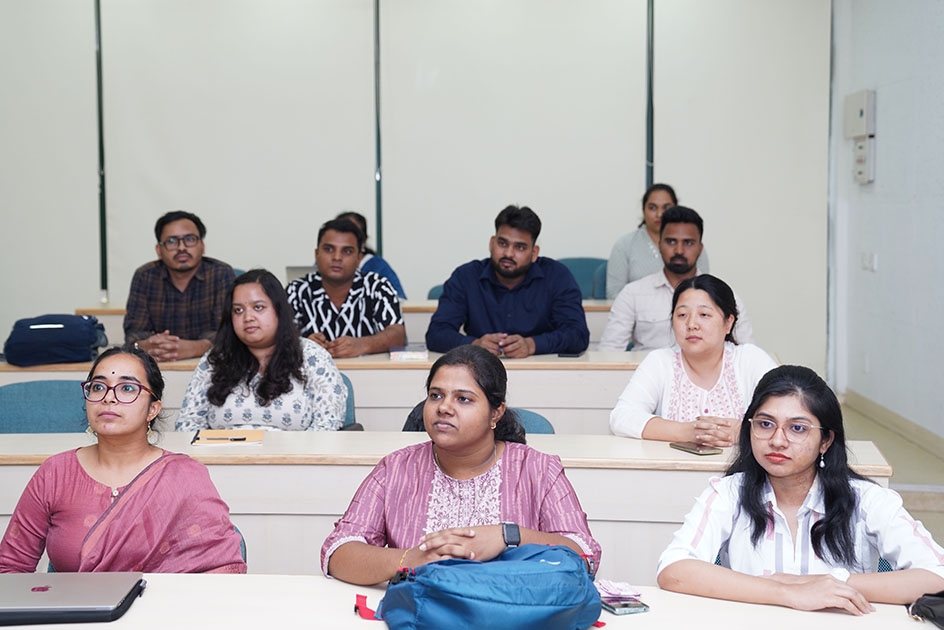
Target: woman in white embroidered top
{"x": 795, "y": 525}
{"x": 260, "y": 374}
{"x": 696, "y": 390}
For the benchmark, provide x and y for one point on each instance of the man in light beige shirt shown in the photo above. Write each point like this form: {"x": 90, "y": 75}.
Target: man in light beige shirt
{"x": 642, "y": 312}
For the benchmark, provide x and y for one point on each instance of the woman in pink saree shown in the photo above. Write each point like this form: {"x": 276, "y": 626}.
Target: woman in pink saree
{"x": 470, "y": 492}
{"x": 122, "y": 504}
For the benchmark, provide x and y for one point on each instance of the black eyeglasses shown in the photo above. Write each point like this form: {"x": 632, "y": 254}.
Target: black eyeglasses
{"x": 126, "y": 392}
{"x": 174, "y": 241}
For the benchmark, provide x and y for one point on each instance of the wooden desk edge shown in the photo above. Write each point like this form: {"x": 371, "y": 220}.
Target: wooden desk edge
{"x": 371, "y": 459}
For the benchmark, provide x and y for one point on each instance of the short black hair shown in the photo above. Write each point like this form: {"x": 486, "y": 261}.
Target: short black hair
{"x": 177, "y": 215}
{"x": 681, "y": 214}
{"x": 520, "y": 218}
{"x": 345, "y": 226}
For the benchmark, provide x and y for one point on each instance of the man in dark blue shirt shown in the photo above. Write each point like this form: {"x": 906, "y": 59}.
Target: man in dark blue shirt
{"x": 514, "y": 303}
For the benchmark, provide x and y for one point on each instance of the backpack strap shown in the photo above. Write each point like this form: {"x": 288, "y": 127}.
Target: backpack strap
{"x": 361, "y": 607}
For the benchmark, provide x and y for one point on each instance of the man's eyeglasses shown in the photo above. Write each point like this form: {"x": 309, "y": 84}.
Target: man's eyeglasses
{"x": 174, "y": 241}
{"x": 795, "y": 431}
{"x": 126, "y": 392}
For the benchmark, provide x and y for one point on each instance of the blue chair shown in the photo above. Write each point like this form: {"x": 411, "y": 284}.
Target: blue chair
{"x": 583, "y": 270}
{"x": 598, "y": 292}
{"x": 435, "y": 292}
{"x": 350, "y": 422}
{"x": 42, "y": 407}
{"x": 532, "y": 422}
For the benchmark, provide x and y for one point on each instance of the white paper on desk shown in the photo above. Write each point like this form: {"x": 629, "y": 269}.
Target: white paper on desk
{"x": 616, "y": 589}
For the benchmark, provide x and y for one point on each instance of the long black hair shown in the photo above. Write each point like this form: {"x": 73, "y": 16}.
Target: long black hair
{"x": 489, "y": 374}
{"x": 232, "y": 362}
{"x": 833, "y": 532}
{"x": 719, "y": 292}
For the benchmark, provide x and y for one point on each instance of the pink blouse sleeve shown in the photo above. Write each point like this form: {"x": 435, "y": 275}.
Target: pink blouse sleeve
{"x": 561, "y": 513}
{"x": 25, "y": 538}
{"x": 364, "y": 520}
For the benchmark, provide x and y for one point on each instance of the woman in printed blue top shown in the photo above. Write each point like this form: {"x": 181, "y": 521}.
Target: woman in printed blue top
{"x": 260, "y": 374}
{"x": 791, "y": 524}
{"x": 371, "y": 260}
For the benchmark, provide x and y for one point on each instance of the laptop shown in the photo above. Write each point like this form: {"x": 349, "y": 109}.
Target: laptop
{"x": 29, "y": 598}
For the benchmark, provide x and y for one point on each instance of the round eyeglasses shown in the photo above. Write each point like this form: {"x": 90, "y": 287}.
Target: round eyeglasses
{"x": 795, "y": 431}
{"x": 126, "y": 392}
{"x": 174, "y": 241}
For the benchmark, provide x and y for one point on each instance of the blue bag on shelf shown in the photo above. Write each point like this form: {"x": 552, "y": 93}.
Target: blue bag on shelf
{"x": 54, "y": 339}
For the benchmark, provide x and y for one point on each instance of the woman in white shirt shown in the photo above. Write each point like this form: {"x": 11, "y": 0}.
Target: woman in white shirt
{"x": 794, "y": 523}
{"x": 260, "y": 374}
{"x": 697, "y": 390}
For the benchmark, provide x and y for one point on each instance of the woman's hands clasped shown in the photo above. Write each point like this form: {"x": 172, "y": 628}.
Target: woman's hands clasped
{"x": 715, "y": 431}
{"x": 470, "y": 543}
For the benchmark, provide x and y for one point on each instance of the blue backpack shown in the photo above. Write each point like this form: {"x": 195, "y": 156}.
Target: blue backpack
{"x": 537, "y": 587}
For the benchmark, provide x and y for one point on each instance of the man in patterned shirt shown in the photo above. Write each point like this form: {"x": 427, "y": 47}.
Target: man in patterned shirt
{"x": 175, "y": 302}
{"x": 348, "y": 312}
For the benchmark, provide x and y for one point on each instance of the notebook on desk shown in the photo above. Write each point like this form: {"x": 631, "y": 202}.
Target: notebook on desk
{"x": 31, "y": 598}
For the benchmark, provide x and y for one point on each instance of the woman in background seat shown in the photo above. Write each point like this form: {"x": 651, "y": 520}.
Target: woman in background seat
{"x": 260, "y": 374}
{"x": 695, "y": 391}
{"x": 122, "y": 504}
{"x": 371, "y": 261}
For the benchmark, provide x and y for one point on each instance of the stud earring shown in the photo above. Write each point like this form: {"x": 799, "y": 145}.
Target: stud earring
{"x": 822, "y": 462}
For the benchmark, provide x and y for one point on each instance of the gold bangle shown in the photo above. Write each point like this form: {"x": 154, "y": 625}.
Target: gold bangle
{"x": 402, "y": 558}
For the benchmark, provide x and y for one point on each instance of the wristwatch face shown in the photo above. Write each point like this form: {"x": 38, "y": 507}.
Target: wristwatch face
{"x": 511, "y": 534}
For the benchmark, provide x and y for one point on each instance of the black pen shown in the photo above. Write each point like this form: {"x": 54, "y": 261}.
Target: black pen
{"x": 228, "y": 439}
{"x": 195, "y": 436}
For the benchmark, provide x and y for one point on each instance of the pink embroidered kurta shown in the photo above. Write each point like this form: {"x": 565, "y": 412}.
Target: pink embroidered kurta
{"x": 169, "y": 519}
{"x": 407, "y": 495}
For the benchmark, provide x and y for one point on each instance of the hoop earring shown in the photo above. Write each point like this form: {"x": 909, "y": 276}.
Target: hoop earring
{"x": 822, "y": 462}
{"x": 149, "y": 431}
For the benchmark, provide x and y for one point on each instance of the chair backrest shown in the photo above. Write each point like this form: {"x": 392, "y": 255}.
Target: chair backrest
{"x": 599, "y": 282}
{"x": 532, "y": 421}
{"x": 42, "y": 407}
{"x": 583, "y": 270}
{"x": 435, "y": 292}
{"x": 349, "y": 418}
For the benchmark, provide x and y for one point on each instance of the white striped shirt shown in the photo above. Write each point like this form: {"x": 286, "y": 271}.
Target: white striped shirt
{"x": 371, "y": 305}
{"x": 882, "y": 528}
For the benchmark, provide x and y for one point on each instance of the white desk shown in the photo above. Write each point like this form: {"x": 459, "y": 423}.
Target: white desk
{"x": 576, "y": 395}
{"x": 286, "y": 493}
{"x": 416, "y": 316}
{"x": 234, "y": 602}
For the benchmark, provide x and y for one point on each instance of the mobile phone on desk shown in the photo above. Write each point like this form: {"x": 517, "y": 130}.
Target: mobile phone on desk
{"x": 569, "y": 355}
{"x": 623, "y": 605}
{"x": 695, "y": 448}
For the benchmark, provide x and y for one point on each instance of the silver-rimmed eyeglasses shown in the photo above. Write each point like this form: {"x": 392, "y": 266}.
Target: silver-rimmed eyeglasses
{"x": 126, "y": 392}
{"x": 794, "y": 430}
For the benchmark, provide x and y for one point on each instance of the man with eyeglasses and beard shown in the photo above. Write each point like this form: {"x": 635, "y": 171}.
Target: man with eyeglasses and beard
{"x": 514, "y": 303}
{"x": 642, "y": 312}
{"x": 175, "y": 302}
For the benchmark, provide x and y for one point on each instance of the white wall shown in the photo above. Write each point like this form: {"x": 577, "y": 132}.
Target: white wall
{"x": 889, "y": 343}
{"x": 259, "y": 117}
{"x": 48, "y": 159}
{"x": 741, "y": 128}
{"x": 533, "y": 102}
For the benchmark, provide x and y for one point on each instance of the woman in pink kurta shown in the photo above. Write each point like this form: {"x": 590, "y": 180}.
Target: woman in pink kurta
{"x": 122, "y": 504}
{"x": 451, "y": 496}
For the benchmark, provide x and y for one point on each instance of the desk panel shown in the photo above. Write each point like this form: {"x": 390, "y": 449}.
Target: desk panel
{"x": 574, "y": 394}
{"x": 286, "y": 493}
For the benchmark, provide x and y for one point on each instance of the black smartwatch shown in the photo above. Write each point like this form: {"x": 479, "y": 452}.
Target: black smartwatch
{"x": 511, "y": 534}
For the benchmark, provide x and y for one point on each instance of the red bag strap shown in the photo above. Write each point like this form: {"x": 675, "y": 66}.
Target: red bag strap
{"x": 361, "y": 607}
